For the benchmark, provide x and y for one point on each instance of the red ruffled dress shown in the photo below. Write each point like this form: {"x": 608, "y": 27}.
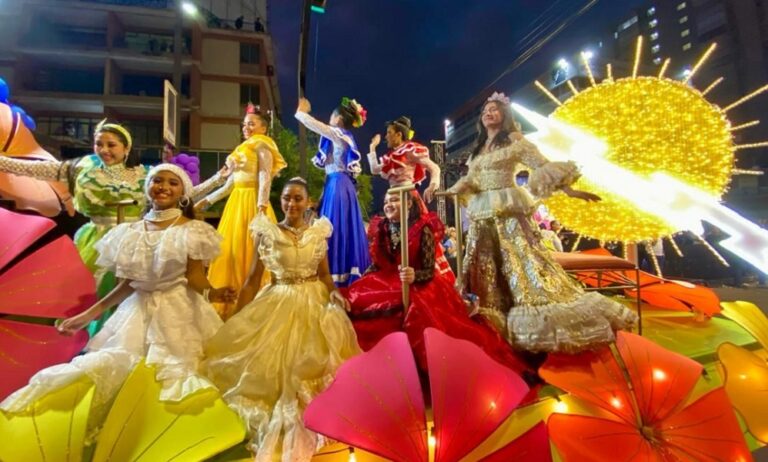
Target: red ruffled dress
{"x": 376, "y": 298}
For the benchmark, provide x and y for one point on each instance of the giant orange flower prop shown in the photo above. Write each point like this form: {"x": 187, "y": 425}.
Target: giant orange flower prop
{"x": 644, "y": 392}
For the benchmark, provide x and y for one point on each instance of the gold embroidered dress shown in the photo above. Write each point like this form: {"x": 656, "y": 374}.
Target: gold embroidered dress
{"x": 520, "y": 288}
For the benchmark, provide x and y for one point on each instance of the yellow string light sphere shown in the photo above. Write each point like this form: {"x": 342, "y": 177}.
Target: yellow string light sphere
{"x": 649, "y": 125}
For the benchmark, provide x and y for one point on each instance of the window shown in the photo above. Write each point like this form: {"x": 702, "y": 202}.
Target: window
{"x": 683, "y": 20}
{"x": 655, "y": 49}
{"x": 651, "y": 11}
{"x": 680, "y": 6}
{"x": 686, "y": 47}
{"x": 249, "y": 94}
{"x": 249, "y": 53}
{"x": 653, "y": 23}
{"x": 685, "y": 33}
{"x": 627, "y": 24}
{"x": 657, "y": 60}
{"x": 655, "y": 36}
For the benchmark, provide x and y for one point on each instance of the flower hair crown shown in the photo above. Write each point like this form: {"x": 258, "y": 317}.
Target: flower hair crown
{"x": 499, "y": 97}
{"x": 361, "y": 115}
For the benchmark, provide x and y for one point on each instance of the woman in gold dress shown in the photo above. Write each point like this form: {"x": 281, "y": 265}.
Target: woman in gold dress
{"x": 520, "y": 288}
{"x": 255, "y": 163}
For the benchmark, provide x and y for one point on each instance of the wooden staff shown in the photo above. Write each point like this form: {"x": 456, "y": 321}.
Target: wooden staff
{"x": 459, "y": 234}
{"x": 121, "y": 205}
{"x": 403, "y": 190}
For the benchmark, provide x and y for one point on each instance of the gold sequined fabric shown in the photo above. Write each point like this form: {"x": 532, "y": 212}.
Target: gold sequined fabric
{"x": 520, "y": 288}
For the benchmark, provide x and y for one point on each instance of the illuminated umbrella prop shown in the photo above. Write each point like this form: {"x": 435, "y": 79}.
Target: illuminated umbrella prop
{"x": 645, "y": 393}
{"x": 746, "y": 382}
{"x": 380, "y": 409}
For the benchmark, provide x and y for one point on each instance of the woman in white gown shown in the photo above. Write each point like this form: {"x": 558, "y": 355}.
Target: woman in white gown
{"x": 163, "y": 316}
{"x": 283, "y": 348}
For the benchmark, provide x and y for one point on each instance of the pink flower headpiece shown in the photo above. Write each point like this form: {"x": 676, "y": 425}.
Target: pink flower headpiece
{"x": 499, "y": 97}
{"x": 357, "y": 109}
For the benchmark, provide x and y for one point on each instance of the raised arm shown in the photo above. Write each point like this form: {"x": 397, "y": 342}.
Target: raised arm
{"x": 218, "y": 194}
{"x": 265, "y": 178}
{"x": 46, "y": 170}
{"x": 199, "y": 191}
{"x": 302, "y": 115}
{"x": 373, "y": 159}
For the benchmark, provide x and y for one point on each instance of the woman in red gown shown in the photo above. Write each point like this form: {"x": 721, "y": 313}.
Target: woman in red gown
{"x": 376, "y": 298}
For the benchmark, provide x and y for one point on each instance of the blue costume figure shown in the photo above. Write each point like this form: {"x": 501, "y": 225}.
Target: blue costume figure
{"x": 338, "y": 155}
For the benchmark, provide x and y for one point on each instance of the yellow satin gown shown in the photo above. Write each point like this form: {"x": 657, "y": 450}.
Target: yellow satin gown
{"x": 233, "y": 265}
{"x": 282, "y": 349}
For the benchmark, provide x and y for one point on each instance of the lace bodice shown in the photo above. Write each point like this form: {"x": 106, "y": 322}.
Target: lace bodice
{"x": 255, "y": 162}
{"x": 154, "y": 260}
{"x": 491, "y": 188}
{"x": 287, "y": 259}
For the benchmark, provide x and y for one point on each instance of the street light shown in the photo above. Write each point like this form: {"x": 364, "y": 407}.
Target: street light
{"x": 587, "y": 54}
{"x": 189, "y": 8}
{"x": 563, "y": 64}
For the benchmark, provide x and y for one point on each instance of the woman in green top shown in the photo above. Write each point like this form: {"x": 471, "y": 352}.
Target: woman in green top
{"x": 98, "y": 181}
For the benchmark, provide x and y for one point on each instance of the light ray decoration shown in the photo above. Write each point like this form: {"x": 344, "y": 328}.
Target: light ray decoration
{"x": 658, "y": 153}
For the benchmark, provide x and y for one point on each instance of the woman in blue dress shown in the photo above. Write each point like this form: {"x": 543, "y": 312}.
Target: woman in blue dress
{"x": 338, "y": 155}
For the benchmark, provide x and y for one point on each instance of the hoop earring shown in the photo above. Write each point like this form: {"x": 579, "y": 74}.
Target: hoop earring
{"x": 184, "y": 202}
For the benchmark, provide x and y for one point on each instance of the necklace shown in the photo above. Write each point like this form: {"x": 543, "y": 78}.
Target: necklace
{"x": 297, "y": 232}
{"x": 159, "y": 216}
{"x": 151, "y": 243}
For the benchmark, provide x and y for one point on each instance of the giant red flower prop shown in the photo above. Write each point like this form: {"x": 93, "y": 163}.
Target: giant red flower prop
{"x": 48, "y": 282}
{"x": 376, "y": 403}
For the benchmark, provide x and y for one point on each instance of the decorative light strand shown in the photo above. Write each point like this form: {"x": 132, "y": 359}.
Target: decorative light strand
{"x": 744, "y": 99}
{"x": 609, "y": 72}
{"x": 573, "y": 88}
{"x": 664, "y": 68}
{"x": 761, "y": 144}
{"x": 751, "y": 123}
{"x": 576, "y": 243}
{"x": 700, "y": 62}
{"x": 654, "y": 260}
{"x": 712, "y": 250}
{"x": 712, "y": 86}
{"x": 591, "y": 76}
{"x": 638, "y": 54}
{"x": 671, "y": 240}
{"x": 548, "y": 93}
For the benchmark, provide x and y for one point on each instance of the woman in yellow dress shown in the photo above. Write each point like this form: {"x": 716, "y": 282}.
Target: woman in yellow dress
{"x": 255, "y": 163}
{"x": 283, "y": 349}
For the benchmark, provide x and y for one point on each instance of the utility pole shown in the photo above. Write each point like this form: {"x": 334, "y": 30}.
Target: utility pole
{"x": 177, "y": 46}
{"x": 303, "y": 46}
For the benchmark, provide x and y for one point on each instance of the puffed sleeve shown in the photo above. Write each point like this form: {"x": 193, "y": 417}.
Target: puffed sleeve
{"x": 203, "y": 241}
{"x": 109, "y": 247}
{"x": 261, "y": 226}
{"x": 546, "y": 177}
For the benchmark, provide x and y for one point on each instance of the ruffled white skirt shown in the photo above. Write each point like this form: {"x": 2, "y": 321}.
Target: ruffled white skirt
{"x": 166, "y": 327}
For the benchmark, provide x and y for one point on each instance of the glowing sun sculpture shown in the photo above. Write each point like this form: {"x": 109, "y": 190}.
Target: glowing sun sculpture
{"x": 658, "y": 153}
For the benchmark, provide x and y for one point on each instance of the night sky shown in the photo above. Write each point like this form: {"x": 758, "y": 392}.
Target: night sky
{"x": 421, "y": 58}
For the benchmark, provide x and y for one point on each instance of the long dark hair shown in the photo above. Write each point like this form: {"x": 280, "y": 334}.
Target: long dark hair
{"x": 347, "y": 116}
{"x": 508, "y": 126}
